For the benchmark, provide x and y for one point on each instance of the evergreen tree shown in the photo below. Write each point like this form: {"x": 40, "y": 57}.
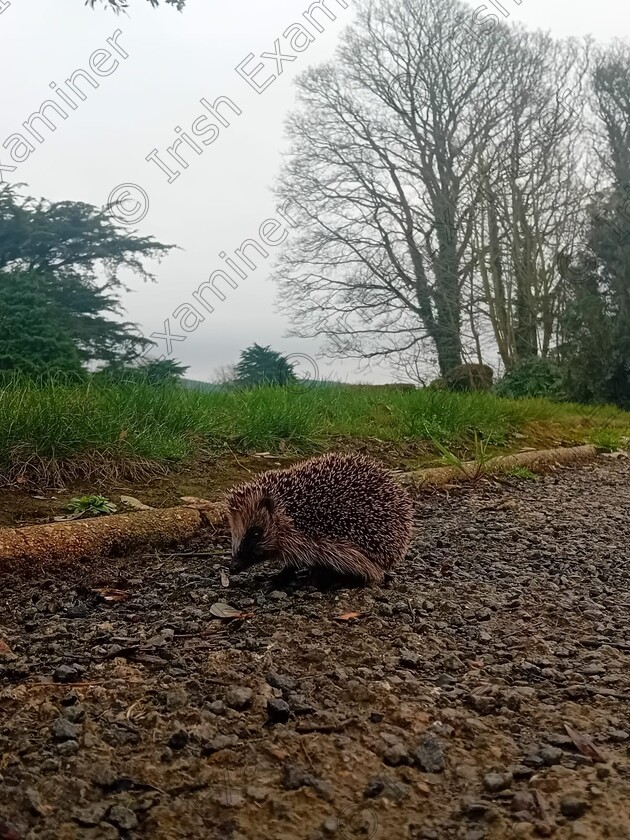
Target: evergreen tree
{"x": 263, "y": 366}
{"x": 153, "y": 371}
{"x": 597, "y": 319}
{"x": 34, "y": 340}
{"x": 78, "y": 254}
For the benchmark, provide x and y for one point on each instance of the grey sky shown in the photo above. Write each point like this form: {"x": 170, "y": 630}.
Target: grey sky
{"x": 174, "y": 60}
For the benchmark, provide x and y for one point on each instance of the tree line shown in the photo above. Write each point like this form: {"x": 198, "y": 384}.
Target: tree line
{"x": 462, "y": 187}
{"x": 463, "y": 195}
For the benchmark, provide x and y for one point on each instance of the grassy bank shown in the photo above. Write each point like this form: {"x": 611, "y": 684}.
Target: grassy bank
{"x": 115, "y": 424}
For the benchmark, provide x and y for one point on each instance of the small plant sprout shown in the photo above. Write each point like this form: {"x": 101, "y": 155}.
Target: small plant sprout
{"x": 91, "y": 506}
{"x": 607, "y": 440}
{"x": 522, "y": 472}
{"x": 479, "y": 463}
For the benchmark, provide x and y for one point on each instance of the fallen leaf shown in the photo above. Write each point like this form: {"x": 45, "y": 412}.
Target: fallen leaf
{"x": 220, "y": 610}
{"x": 134, "y": 503}
{"x": 541, "y": 805}
{"x": 108, "y": 594}
{"x": 68, "y": 517}
{"x": 4, "y": 648}
{"x": 199, "y": 504}
{"x": 349, "y": 616}
{"x": 225, "y": 580}
{"x": 585, "y": 744}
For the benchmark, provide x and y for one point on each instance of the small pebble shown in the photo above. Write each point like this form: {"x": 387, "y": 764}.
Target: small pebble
{"x": 573, "y": 806}
{"x": 222, "y": 742}
{"x": 282, "y": 682}
{"x": 92, "y": 814}
{"x": 429, "y": 755}
{"x": 278, "y": 710}
{"x": 409, "y": 659}
{"x": 551, "y": 755}
{"x": 494, "y": 782}
{"x": 396, "y": 755}
{"x": 68, "y": 748}
{"x": 239, "y": 698}
{"x": 65, "y": 674}
{"x": 374, "y": 788}
{"x": 122, "y": 817}
{"x": 178, "y": 740}
{"x": 63, "y": 730}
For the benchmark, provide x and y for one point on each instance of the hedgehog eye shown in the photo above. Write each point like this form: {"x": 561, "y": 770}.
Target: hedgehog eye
{"x": 256, "y": 533}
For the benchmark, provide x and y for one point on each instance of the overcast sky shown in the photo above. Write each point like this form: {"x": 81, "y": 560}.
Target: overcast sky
{"x": 161, "y": 64}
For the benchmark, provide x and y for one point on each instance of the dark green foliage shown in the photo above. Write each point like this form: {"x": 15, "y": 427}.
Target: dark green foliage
{"x": 470, "y": 377}
{"x": 263, "y": 366}
{"x": 597, "y": 318}
{"x": 77, "y": 253}
{"x": 534, "y": 377}
{"x": 151, "y": 371}
{"x": 34, "y": 340}
{"x": 596, "y": 350}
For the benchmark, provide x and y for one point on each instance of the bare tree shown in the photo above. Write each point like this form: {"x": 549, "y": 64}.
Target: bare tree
{"x": 535, "y": 185}
{"x": 384, "y": 153}
{"x": 225, "y": 375}
{"x": 123, "y": 5}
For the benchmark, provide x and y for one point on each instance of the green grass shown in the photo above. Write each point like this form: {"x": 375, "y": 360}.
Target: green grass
{"x": 61, "y": 422}
{"x": 608, "y": 439}
{"x": 522, "y": 472}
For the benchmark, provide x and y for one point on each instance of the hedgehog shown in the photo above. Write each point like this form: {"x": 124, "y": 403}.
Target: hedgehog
{"x": 344, "y": 513}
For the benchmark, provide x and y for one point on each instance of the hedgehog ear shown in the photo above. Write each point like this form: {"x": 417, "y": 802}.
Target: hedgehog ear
{"x": 268, "y": 504}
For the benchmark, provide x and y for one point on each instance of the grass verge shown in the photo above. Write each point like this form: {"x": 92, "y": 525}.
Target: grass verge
{"x": 90, "y": 430}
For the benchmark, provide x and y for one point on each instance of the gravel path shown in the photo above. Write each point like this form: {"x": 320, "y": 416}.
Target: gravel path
{"x": 484, "y": 694}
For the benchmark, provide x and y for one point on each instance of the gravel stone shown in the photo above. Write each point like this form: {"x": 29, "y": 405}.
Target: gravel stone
{"x": 573, "y": 806}
{"x": 63, "y": 730}
{"x": 551, "y": 755}
{"x": 534, "y": 642}
{"x": 495, "y": 782}
{"x": 122, "y": 817}
{"x": 65, "y": 674}
{"x": 429, "y": 755}
{"x": 92, "y": 814}
{"x": 396, "y": 755}
{"x": 278, "y": 710}
{"x": 239, "y": 697}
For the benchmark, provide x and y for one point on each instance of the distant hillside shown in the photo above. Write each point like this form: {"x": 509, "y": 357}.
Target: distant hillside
{"x": 198, "y": 385}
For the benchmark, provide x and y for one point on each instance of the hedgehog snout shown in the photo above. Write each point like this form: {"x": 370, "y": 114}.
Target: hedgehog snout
{"x": 244, "y": 556}
{"x": 237, "y": 565}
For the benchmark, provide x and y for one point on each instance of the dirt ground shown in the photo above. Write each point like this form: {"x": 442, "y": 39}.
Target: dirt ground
{"x": 483, "y": 694}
